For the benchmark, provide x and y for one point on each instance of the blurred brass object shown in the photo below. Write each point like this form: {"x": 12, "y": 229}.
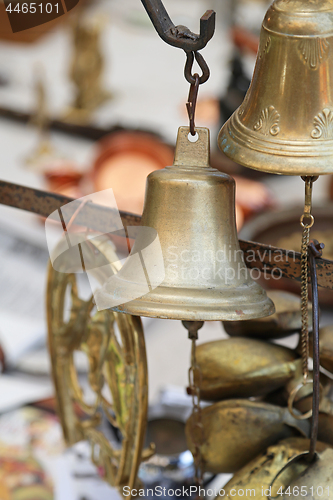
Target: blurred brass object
{"x": 325, "y": 347}
{"x": 86, "y": 70}
{"x": 117, "y": 362}
{"x": 303, "y": 398}
{"x": 191, "y": 207}
{"x": 285, "y": 123}
{"x": 44, "y": 154}
{"x": 316, "y": 479}
{"x": 256, "y": 477}
{"x": 236, "y": 431}
{"x": 292, "y": 240}
{"x": 299, "y": 395}
{"x": 325, "y": 427}
{"x": 242, "y": 367}
{"x": 285, "y": 321}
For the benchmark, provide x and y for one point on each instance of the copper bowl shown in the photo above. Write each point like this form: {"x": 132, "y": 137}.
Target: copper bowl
{"x": 123, "y": 162}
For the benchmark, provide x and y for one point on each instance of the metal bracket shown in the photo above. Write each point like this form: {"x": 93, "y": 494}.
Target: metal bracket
{"x": 180, "y": 36}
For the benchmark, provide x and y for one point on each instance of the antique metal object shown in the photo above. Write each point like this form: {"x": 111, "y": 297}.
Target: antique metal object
{"x": 285, "y": 123}
{"x": 285, "y": 321}
{"x": 115, "y": 348}
{"x": 316, "y": 478}
{"x": 44, "y": 154}
{"x": 205, "y": 277}
{"x": 243, "y": 367}
{"x": 194, "y": 390}
{"x": 255, "y": 478}
{"x": 86, "y": 70}
{"x": 302, "y": 399}
{"x": 180, "y": 36}
{"x": 236, "y": 431}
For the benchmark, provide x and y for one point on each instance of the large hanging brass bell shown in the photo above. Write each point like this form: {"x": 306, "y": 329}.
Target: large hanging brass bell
{"x": 191, "y": 208}
{"x": 285, "y": 123}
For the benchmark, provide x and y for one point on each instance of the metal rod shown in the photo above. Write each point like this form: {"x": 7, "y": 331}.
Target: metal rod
{"x": 265, "y": 258}
{"x": 180, "y": 36}
{"x": 314, "y": 253}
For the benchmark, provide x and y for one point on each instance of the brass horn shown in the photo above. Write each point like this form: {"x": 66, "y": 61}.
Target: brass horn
{"x": 192, "y": 263}
{"x": 285, "y": 123}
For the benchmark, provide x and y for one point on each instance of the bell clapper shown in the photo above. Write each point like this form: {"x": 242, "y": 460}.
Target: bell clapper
{"x": 194, "y": 377}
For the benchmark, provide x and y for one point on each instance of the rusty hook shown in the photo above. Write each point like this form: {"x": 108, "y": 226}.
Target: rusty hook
{"x": 180, "y": 36}
{"x": 202, "y": 64}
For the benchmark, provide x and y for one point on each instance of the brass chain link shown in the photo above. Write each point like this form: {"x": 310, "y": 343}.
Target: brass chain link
{"x": 304, "y": 302}
{"x": 307, "y": 221}
{"x": 195, "y": 378}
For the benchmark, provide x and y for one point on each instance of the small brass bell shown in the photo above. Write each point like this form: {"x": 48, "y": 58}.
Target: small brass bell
{"x": 285, "y": 123}
{"x": 242, "y": 367}
{"x": 191, "y": 208}
{"x": 235, "y": 431}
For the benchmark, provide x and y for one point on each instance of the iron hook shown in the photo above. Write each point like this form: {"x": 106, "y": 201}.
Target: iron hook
{"x": 180, "y": 36}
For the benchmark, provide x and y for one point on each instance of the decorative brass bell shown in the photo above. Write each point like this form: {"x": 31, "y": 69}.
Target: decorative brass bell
{"x": 235, "y": 431}
{"x": 191, "y": 208}
{"x": 285, "y": 123}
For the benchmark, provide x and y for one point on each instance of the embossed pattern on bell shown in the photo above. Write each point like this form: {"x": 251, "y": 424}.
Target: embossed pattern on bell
{"x": 285, "y": 124}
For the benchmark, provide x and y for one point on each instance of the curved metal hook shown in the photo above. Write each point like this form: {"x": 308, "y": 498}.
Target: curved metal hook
{"x": 202, "y": 64}
{"x": 180, "y": 36}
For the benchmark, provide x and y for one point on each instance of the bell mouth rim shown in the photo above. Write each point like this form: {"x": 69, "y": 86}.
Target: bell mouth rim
{"x": 176, "y": 312}
{"x": 165, "y": 303}
{"x": 247, "y": 148}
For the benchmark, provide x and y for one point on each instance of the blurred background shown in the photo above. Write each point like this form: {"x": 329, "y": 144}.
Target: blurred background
{"x": 93, "y": 100}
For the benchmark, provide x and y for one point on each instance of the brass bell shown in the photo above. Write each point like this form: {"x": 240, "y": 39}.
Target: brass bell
{"x": 235, "y": 431}
{"x": 243, "y": 367}
{"x": 190, "y": 206}
{"x": 316, "y": 480}
{"x": 285, "y": 123}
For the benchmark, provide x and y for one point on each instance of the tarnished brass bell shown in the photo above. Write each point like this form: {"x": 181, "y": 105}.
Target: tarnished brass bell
{"x": 316, "y": 480}
{"x": 255, "y": 478}
{"x": 190, "y": 206}
{"x": 242, "y": 367}
{"x": 285, "y": 123}
{"x": 236, "y": 431}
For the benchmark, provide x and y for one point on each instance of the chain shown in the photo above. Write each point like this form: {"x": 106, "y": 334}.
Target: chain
{"x": 195, "y": 80}
{"x": 307, "y": 221}
{"x": 304, "y": 302}
{"x": 194, "y": 378}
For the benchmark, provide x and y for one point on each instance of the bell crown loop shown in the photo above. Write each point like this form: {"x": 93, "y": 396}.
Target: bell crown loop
{"x": 192, "y": 154}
